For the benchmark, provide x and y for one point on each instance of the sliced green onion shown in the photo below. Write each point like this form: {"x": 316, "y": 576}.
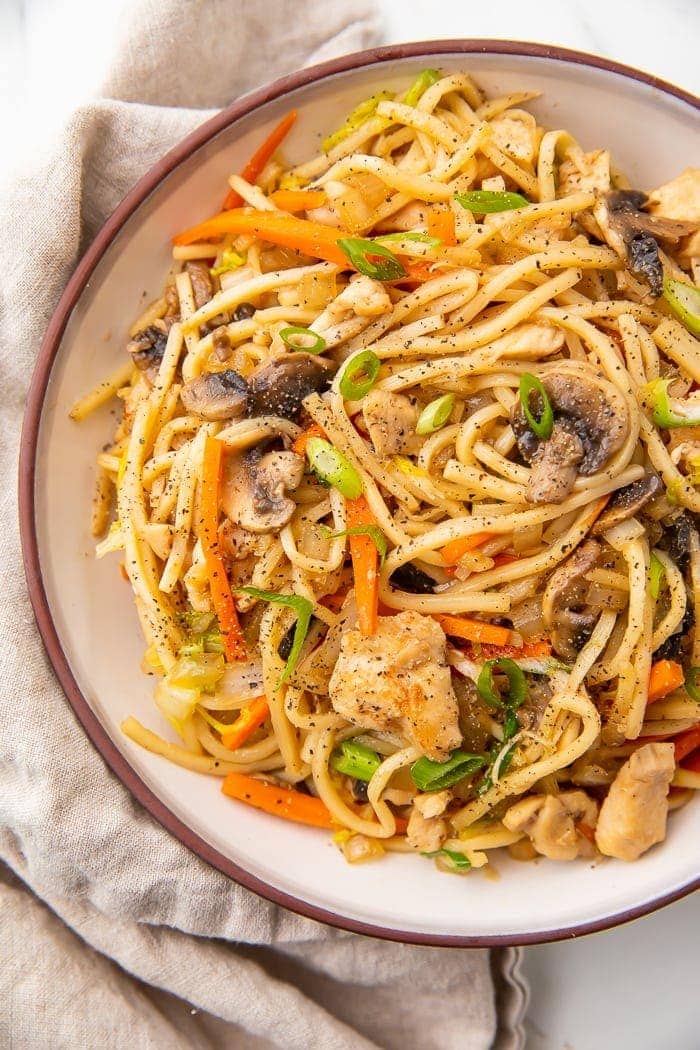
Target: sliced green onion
{"x": 421, "y": 238}
{"x": 657, "y": 571}
{"x": 356, "y": 760}
{"x": 356, "y": 119}
{"x": 684, "y": 300}
{"x": 373, "y": 531}
{"x": 667, "y": 411}
{"x": 692, "y": 683}
{"x": 510, "y": 725}
{"x": 333, "y": 468}
{"x": 296, "y": 336}
{"x": 455, "y": 860}
{"x": 517, "y": 683}
{"x": 434, "y": 776}
{"x": 372, "y": 258}
{"x": 487, "y": 783}
{"x": 230, "y": 260}
{"x": 420, "y": 85}
{"x": 543, "y": 426}
{"x": 304, "y": 610}
{"x": 435, "y": 415}
{"x": 486, "y": 202}
{"x": 366, "y": 364}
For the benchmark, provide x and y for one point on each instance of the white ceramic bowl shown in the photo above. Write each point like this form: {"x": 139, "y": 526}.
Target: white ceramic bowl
{"x": 82, "y": 605}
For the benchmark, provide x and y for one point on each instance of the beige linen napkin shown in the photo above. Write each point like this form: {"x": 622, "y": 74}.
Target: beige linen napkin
{"x": 112, "y": 933}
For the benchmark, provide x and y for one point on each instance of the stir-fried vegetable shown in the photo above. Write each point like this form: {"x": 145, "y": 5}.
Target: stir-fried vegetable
{"x": 456, "y": 549}
{"x": 297, "y": 337}
{"x": 279, "y": 801}
{"x": 543, "y": 426}
{"x": 441, "y": 225}
{"x": 667, "y": 411}
{"x": 420, "y": 85}
{"x": 356, "y": 760}
{"x": 365, "y": 556}
{"x": 300, "y": 442}
{"x": 452, "y": 860}
{"x": 435, "y": 776}
{"x": 419, "y": 238}
{"x": 253, "y": 169}
{"x": 359, "y": 375}
{"x": 221, "y": 596}
{"x": 373, "y": 531}
{"x": 686, "y": 743}
{"x": 486, "y": 202}
{"x": 304, "y": 610}
{"x": 657, "y": 572}
{"x": 692, "y": 683}
{"x": 356, "y": 119}
{"x": 298, "y": 200}
{"x": 230, "y": 260}
{"x": 234, "y": 734}
{"x": 489, "y": 691}
{"x": 664, "y": 677}
{"x": 474, "y": 630}
{"x": 288, "y": 231}
{"x": 435, "y": 415}
{"x": 684, "y": 300}
{"x": 372, "y": 258}
{"x": 333, "y": 468}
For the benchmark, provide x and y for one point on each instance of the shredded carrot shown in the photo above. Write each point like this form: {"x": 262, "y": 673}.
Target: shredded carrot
{"x": 301, "y": 441}
{"x": 222, "y": 599}
{"x": 665, "y": 676}
{"x": 441, "y": 224}
{"x": 693, "y": 763}
{"x": 365, "y": 565}
{"x": 687, "y": 742}
{"x": 334, "y": 602}
{"x": 455, "y": 549}
{"x": 419, "y": 272}
{"x": 311, "y": 238}
{"x": 251, "y": 172}
{"x": 298, "y": 200}
{"x": 533, "y": 650}
{"x": 504, "y": 558}
{"x": 279, "y": 801}
{"x": 474, "y": 630}
{"x": 250, "y": 719}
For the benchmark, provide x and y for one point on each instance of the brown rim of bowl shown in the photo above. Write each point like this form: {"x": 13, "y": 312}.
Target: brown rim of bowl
{"x": 114, "y": 758}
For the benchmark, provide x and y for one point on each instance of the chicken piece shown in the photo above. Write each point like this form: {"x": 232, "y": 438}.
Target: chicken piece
{"x": 202, "y": 288}
{"x": 352, "y": 310}
{"x": 588, "y": 173}
{"x": 633, "y": 815}
{"x": 678, "y": 199}
{"x": 391, "y": 421}
{"x": 516, "y": 134}
{"x": 427, "y": 830}
{"x": 550, "y": 822}
{"x": 399, "y": 679}
{"x": 255, "y": 489}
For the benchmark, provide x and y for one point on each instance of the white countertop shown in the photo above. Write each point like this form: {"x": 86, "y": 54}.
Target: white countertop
{"x": 634, "y": 988}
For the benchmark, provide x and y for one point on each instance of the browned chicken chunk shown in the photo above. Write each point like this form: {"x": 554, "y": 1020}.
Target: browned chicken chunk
{"x": 633, "y": 816}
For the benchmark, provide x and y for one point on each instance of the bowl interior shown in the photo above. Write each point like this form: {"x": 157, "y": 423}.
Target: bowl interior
{"x": 653, "y": 135}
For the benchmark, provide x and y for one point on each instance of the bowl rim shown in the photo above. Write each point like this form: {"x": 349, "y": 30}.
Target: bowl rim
{"x": 115, "y": 759}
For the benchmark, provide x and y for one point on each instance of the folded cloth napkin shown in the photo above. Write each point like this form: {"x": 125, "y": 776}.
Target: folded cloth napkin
{"x": 99, "y": 945}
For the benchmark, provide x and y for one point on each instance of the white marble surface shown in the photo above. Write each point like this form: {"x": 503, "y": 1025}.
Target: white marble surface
{"x": 634, "y": 988}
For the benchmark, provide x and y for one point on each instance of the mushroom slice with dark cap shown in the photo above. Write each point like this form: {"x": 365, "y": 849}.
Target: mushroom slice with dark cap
{"x": 216, "y": 395}
{"x": 628, "y": 501}
{"x": 279, "y": 387}
{"x": 588, "y": 429}
{"x": 147, "y": 349}
{"x": 564, "y": 602}
{"x": 635, "y": 235}
{"x": 255, "y": 487}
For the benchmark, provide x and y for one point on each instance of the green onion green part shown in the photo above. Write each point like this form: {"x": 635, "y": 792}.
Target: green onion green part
{"x": 297, "y": 337}
{"x": 420, "y": 85}
{"x": 333, "y": 468}
{"x": 359, "y": 375}
{"x": 455, "y": 860}
{"x": 373, "y": 531}
{"x": 372, "y": 258}
{"x": 692, "y": 683}
{"x": 356, "y": 760}
{"x": 517, "y": 683}
{"x": 435, "y": 415}
{"x": 356, "y": 119}
{"x": 435, "y": 776}
{"x": 657, "y": 572}
{"x": 666, "y": 411}
{"x": 304, "y": 610}
{"x": 487, "y": 202}
{"x": 420, "y": 238}
{"x": 684, "y": 300}
{"x": 543, "y": 426}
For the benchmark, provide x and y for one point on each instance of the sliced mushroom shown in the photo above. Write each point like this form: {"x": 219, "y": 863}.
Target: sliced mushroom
{"x": 677, "y": 539}
{"x": 391, "y": 422}
{"x": 635, "y": 235}
{"x": 588, "y": 430}
{"x": 216, "y": 395}
{"x": 255, "y": 486}
{"x": 410, "y": 578}
{"x": 563, "y": 603}
{"x": 550, "y": 823}
{"x": 628, "y": 501}
{"x": 202, "y": 287}
{"x": 279, "y": 387}
{"x": 147, "y": 349}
